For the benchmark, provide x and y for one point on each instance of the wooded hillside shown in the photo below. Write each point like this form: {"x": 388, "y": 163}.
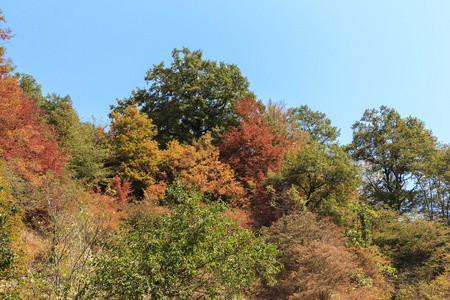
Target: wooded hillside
{"x": 197, "y": 190}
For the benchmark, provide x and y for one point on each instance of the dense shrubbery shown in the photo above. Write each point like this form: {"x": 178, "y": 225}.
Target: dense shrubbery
{"x": 195, "y": 252}
{"x": 317, "y": 265}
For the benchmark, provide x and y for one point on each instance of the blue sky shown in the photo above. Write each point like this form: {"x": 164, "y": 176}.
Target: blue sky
{"x": 337, "y": 57}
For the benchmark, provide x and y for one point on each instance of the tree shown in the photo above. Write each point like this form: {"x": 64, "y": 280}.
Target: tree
{"x": 25, "y": 141}
{"x": 192, "y": 97}
{"x": 392, "y": 149}
{"x": 199, "y": 167}
{"x": 85, "y": 142}
{"x": 433, "y": 182}
{"x": 325, "y": 177}
{"x": 196, "y": 252}
{"x": 281, "y": 120}
{"x": 296, "y": 123}
{"x": 253, "y": 148}
{"x": 315, "y": 123}
{"x": 417, "y": 248}
{"x": 136, "y": 154}
{"x": 30, "y": 86}
{"x": 5, "y": 34}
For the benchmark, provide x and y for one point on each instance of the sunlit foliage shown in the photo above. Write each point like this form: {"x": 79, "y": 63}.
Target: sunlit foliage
{"x": 199, "y": 167}
{"x": 135, "y": 152}
{"x": 196, "y": 252}
{"x": 192, "y": 97}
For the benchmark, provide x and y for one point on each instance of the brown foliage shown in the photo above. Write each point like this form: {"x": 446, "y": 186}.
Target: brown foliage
{"x": 243, "y": 215}
{"x": 372, "y": 266}
{"x": 109, "y": 210}
{"x": 149, "y": 205}
{"x": 316, "y": 263}
{"x": 34, "y": 244}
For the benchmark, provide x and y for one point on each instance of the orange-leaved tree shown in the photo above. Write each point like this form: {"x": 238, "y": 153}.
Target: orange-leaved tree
{"x": 199, "y": 166}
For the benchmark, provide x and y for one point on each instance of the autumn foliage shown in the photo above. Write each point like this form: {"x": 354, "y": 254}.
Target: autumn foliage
{"x": 109, "y": 207}
{"x": 136, "y": 154}
{"x": 316, "y": 263}
{"x": 5, "y": 34}
{"x": 25, "y": 141}
{"x": 199, "y": 167}
{"x": 253, "y": 148}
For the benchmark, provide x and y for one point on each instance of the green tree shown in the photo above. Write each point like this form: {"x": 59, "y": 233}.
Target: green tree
{"x": 10, "y": 228}
{"x": 392, "y": 149}
{"x": 299, "y": 122}
{"x": 84, "y": 141}
{"x": 196, "y": 252}
{"x": 417, "y": 248}
{"x": 136, "y": 154}
{"x": 434, "y": 186}
{"x": 30, "y": 86}
{"x": 190, "y": 98}
{"x": 315, "y": 123}
{"x": 324, "y": 175}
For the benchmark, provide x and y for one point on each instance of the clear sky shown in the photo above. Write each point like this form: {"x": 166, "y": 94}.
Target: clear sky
{"x": 337, "y": 57}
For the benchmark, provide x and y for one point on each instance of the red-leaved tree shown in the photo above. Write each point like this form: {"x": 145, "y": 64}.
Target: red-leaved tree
{"x": 25, "y": 141}
{"x": 253, "y": 148}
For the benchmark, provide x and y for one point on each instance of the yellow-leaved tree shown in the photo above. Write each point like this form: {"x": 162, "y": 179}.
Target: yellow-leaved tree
{"x": 12, "y": 254}
{"x": 136, "y": 154}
